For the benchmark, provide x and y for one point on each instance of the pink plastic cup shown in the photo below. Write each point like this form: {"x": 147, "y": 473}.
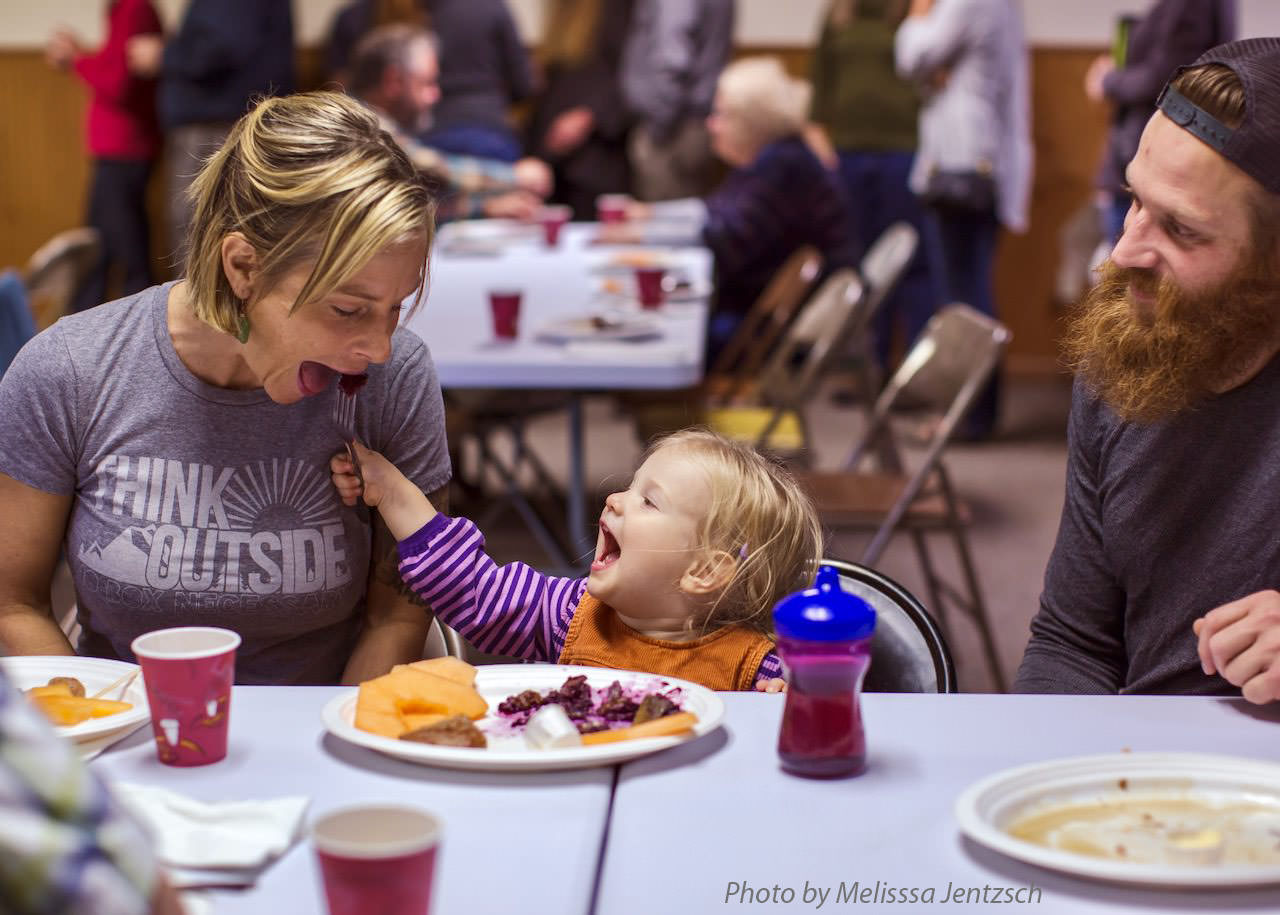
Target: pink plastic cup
{"x": 611, "y": 208}
{"x": 377, "y": 859}
{"x": 553, "y": 219}
{"x": 188, "y": 672}
{"x": 649, "y": 286}
{"x": 505, "y": 305}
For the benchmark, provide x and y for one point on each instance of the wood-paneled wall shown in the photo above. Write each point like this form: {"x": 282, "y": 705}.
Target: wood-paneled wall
{"x": 44, "y": 172}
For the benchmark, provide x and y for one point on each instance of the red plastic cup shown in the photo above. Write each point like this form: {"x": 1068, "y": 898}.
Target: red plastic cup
{"x": 553, "y": 219}
{"x": 188, "y": 672}
{"x": 612, "y": 208}
{"x": 377, "y": 859}
{"x": 505, "y": 305}
{"x": 649, "y": 286}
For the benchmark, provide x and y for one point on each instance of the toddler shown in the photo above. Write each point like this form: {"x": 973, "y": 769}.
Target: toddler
{"x": 689, "y": 562}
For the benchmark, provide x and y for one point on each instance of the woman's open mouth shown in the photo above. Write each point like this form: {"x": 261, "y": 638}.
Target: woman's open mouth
{"x": 314, "y": 378}
{"x": 607, "y": 552}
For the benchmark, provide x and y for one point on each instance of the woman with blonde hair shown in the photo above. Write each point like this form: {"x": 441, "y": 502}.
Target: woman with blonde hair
{"x": 175, "y": 443}
{"x": 778, "y": 196}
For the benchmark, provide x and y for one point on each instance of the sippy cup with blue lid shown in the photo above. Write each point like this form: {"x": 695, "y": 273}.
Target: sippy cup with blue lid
{"x": 824, "y": 637}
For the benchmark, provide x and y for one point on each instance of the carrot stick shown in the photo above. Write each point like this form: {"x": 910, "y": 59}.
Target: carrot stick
{"x": 658, "y": 727}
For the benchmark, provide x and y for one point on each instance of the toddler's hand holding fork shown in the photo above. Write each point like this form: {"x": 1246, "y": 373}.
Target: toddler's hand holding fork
{"x": 402, "y": 505}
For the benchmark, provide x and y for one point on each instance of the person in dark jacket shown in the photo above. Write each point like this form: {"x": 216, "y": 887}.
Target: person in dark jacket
{"x": 484, "y": 68}
{"x": 580, "y": 122}
{"x": 778, "y": 196}
{"x": 1173, "y": 32}
{"x": 225, "y": 54}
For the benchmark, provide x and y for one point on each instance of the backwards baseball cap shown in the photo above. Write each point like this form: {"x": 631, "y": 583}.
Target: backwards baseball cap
{"x": 1254, "y": 146}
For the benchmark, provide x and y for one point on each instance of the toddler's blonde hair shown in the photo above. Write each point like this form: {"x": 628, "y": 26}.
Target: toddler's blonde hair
{"x": 306, "y": 177}
{"x": 761, "y": 517}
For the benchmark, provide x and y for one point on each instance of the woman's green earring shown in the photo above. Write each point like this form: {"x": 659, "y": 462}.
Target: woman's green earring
{"x": 242, "y": 328}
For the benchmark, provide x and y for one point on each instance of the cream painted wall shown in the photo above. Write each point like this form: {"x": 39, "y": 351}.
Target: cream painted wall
{"x": 26, "y": 23}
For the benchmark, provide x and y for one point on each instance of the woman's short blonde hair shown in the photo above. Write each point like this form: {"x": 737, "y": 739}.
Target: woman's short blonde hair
{"x": 761, "y": 517}
{"x": 304, "y": 178}
{"x": 770, "y": 102}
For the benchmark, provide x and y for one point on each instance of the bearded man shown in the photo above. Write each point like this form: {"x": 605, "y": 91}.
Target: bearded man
{"x": 1173, "y": 482}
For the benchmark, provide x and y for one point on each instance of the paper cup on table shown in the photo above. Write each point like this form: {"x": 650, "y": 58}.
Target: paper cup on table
{"x": 377, "y": 859}
{"x": 552, "y": 219}
{"x": 188, "y": 673}
{"x": 649, "y": 286}
{"x": 505, "y": 304}
{"x": 612, "y": 208}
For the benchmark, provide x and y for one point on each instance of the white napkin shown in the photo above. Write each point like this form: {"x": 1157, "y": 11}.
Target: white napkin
{"x": 194, "y": 838}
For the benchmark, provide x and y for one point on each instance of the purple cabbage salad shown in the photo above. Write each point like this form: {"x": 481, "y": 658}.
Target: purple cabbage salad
{"x": 595, "y": 708}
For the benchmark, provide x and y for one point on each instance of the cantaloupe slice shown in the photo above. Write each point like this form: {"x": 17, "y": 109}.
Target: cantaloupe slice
{"x": 449, "y": 667}
{"x": 383, "y": 702}
{"x": 67, "y": 710}
{"x": 413, "y": 721}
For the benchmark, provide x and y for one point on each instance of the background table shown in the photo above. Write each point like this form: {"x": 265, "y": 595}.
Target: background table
{"x": 511, "y": 842}
{"x": 556, "y": 283}
{"x": 688, "y": 822}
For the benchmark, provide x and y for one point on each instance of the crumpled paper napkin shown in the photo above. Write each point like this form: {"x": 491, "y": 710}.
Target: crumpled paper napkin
{"x": 204, "y": 844}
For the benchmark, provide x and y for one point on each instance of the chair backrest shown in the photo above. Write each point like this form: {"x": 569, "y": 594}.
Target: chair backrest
{"x": 831, "y": 316}
{"x": 887, "y": 259}
{"x": 908, "y": 651}
{"x": 944, "y": 371}
{"x": 769, "y": 315}
{"x": 56, "y": 270}
{"x": 17, "y": 325}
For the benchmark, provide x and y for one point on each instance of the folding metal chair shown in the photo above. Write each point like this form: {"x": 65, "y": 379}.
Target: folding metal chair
{"x": 945, "y": 370}
{"x": 789, "y": 380}
{"x": 734, "y": 370}
{"x": 881, "y": 269}
{"x": 909, "y": 653}
{"x": 56, "y": 270}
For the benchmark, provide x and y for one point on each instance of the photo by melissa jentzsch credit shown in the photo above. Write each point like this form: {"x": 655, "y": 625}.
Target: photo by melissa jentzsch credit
{"x": 859, "y": 892}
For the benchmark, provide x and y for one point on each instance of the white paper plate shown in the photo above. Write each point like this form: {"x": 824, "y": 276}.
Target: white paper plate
{"x": 987, "y": 809}
{"x": 95, "y": 673}
{"x": 510, "y": 753}
{"x": 617, "y": 328}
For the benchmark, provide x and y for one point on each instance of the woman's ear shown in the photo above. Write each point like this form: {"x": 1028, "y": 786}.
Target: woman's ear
{"x": 709, "y": 574}
{"x": 240, "y": 264}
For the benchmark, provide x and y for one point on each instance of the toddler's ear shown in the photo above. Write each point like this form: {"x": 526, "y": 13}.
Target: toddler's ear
{"x": 709, "y": 573}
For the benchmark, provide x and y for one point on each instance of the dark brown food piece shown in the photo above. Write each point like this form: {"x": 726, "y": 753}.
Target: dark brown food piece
{"x": 521, "y": 702}
{"x": 454, "y": 731}
{"x": 76, "y": 687}
{"x": 616, "y": 706}
{"x": 352, "y": 383}
{"x": 654, "y": 706}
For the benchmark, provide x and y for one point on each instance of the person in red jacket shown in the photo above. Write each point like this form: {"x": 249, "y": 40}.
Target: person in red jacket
{"x": 123, "y": 139}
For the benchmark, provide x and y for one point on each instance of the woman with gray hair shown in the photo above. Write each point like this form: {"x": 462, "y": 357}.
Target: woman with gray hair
{"x": 778, "y": 197}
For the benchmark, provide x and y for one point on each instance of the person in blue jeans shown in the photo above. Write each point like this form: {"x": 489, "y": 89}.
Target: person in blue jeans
{"x": 870, "y": 113}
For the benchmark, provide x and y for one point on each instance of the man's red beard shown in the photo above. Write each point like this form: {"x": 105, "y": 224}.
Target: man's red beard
{"x": 1149, "y": 367}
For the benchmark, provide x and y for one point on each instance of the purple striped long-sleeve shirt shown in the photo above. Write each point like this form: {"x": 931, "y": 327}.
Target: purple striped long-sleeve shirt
{"x": 513, "y": 609}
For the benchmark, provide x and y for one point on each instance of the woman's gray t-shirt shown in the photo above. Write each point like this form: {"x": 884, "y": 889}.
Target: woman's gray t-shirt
{"x": 198, "y": 505}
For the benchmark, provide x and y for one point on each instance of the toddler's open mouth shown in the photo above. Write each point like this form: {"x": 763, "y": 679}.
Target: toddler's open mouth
{"x": 608, "y": 551}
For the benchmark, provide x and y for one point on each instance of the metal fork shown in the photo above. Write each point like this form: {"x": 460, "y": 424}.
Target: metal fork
{"x": 344, "y": 420}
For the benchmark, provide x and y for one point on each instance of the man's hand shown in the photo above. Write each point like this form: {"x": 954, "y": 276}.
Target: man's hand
{"x": 1240, "y": 641}
{"x": 144, "y": 54}
{"x": 569, "y": 130}
{"x": 534, "y": 176}
{"x": 1098, "y": 71}
{"x": 62, "y": 50}
{"x": 512, "y": 205}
